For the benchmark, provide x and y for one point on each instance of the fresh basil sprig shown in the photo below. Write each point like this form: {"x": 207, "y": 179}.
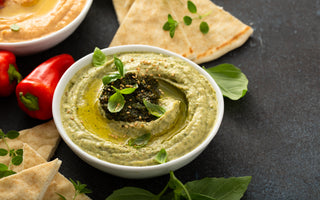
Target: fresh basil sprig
{"x": 154, "y": 109}
{"x": 16, "y": 155}
{"x": 116, "y": 101}
{"x": 79, "y": 189}
{"x": 205, "y": 189}
{"x": 232, "y": 82}
{"x": 170, "y": 25}
{"x": 140, "y": 141}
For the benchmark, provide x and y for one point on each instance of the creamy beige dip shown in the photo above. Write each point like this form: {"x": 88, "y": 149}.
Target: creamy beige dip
{"x": 36, "y": 18}
{"x": 188, "y": 97}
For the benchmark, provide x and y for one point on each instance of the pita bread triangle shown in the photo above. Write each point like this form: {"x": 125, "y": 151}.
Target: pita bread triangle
{"x": 226, "y": 32}
{"x": 44, "y": 138}
{"x": 59, "y": 184}
{"x": 29, "y": 184}
{"x": 122, "y": 8}
{"x": 143, "y": 25}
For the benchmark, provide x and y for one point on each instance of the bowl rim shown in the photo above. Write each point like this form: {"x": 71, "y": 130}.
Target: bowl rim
{"x": 66, "y": 28}
{"x": 122, "y": 49}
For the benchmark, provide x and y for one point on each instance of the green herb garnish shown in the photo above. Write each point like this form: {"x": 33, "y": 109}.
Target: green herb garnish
{"x": 110, "y": 78}
{"x": 192, "y": 7}
{"x": 204, "y": 27}
{"x": 205, "y": 189}
{"x": 116, "y": 101}
{"x": 232, "y": 82}
{"x": 154, "y": 109}
{"x": 172, "y": 24}
{"x": 14, "y": 27}
{"x": 161, "y": 156}
{"x": 16, "y": 155}
{"x": 79, "y": 189}
{"x": 98, "y": 58}
{"x": 140, "y": 141}
{"x": 118, "y": 63}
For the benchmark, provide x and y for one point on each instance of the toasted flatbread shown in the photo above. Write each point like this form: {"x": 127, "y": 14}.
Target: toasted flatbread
{"x": 226, "y": 31}
{"x": 143, "y": 25}
{"x": 29, "y": 184}
{"x": 122, "y": 8}
{"x": 59, "y": 184}
{"x": 44, "y": 138}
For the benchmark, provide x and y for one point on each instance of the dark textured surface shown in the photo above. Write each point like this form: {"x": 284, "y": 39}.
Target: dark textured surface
{"x": 271, "y": 134}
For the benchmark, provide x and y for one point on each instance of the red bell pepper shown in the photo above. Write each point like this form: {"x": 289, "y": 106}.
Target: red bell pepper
{"x": 1, "y": 3}
{"x": 35, "y": 92}
{"x": 9, "y": 75}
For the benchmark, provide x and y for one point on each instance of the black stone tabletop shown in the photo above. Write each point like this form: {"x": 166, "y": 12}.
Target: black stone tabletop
{"x": 271, "y": 134}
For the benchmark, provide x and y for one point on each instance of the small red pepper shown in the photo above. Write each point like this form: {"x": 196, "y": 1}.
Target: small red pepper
{"x": 35, "y": 92}
{"x": 1, "y": 3}
{"x": 9, "y": 75}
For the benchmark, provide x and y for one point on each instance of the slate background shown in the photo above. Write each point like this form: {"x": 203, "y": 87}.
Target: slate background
{"x": 270, "y": 134}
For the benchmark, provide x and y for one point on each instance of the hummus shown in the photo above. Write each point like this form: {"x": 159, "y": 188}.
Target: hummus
{"x": 187, "y": 96}
{"x": 36, "y": 18}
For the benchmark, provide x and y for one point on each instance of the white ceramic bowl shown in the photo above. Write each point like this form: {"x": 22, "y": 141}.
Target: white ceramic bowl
{"x": 40, "y": 44}
{"x": 132, "y": 171}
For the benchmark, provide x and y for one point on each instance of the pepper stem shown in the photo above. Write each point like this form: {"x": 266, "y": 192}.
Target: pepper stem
{"x": 30, "y": 101}
{"x": 14, "y": 74}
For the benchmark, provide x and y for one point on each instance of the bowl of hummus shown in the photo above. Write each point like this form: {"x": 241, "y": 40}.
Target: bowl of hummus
{"x": 31, "y": 26}
{"x": 137, "y": 111}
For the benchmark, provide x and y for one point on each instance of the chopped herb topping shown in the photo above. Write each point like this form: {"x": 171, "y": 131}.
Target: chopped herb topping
{"x": 134, "y": 89}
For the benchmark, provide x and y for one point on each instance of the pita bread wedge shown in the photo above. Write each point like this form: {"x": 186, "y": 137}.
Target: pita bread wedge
{"x": 29, "y": 184}
{"x": 59, "y": 184}
{"x": 143, "y": 25}
{"x": 122, "y": 7}
{"x": 226, "y": 32}
{"x": 44, "y": 138}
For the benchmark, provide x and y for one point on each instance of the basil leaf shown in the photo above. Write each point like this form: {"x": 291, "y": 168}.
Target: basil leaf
{"x": 204, "y": 27}
{"x": 195, "y": 196}
{"x": 187, "y": 20}
{"x": 118, "y": 63}
{"x": 161, "y": 156}
{"x": 232, "y": 82}
{"x": 3, "y": 167}
{"x": 13, "y": 134}
{"x": 130, "y": 193}
{"x": 17, "y": 160}
{"x": 154, "y": 109}
{"x": 140, "y": 141}
{"x": 116, "y": 102}
{"x": 220, "y": 188}
{"x": 178, "y": 187}
{"x": 128, "y": 90}
{"x": 3, "y": 152}
{"x": 98, "y": 58}
{"x": 192, "y": 7}
{"x": 110, "y": 78}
